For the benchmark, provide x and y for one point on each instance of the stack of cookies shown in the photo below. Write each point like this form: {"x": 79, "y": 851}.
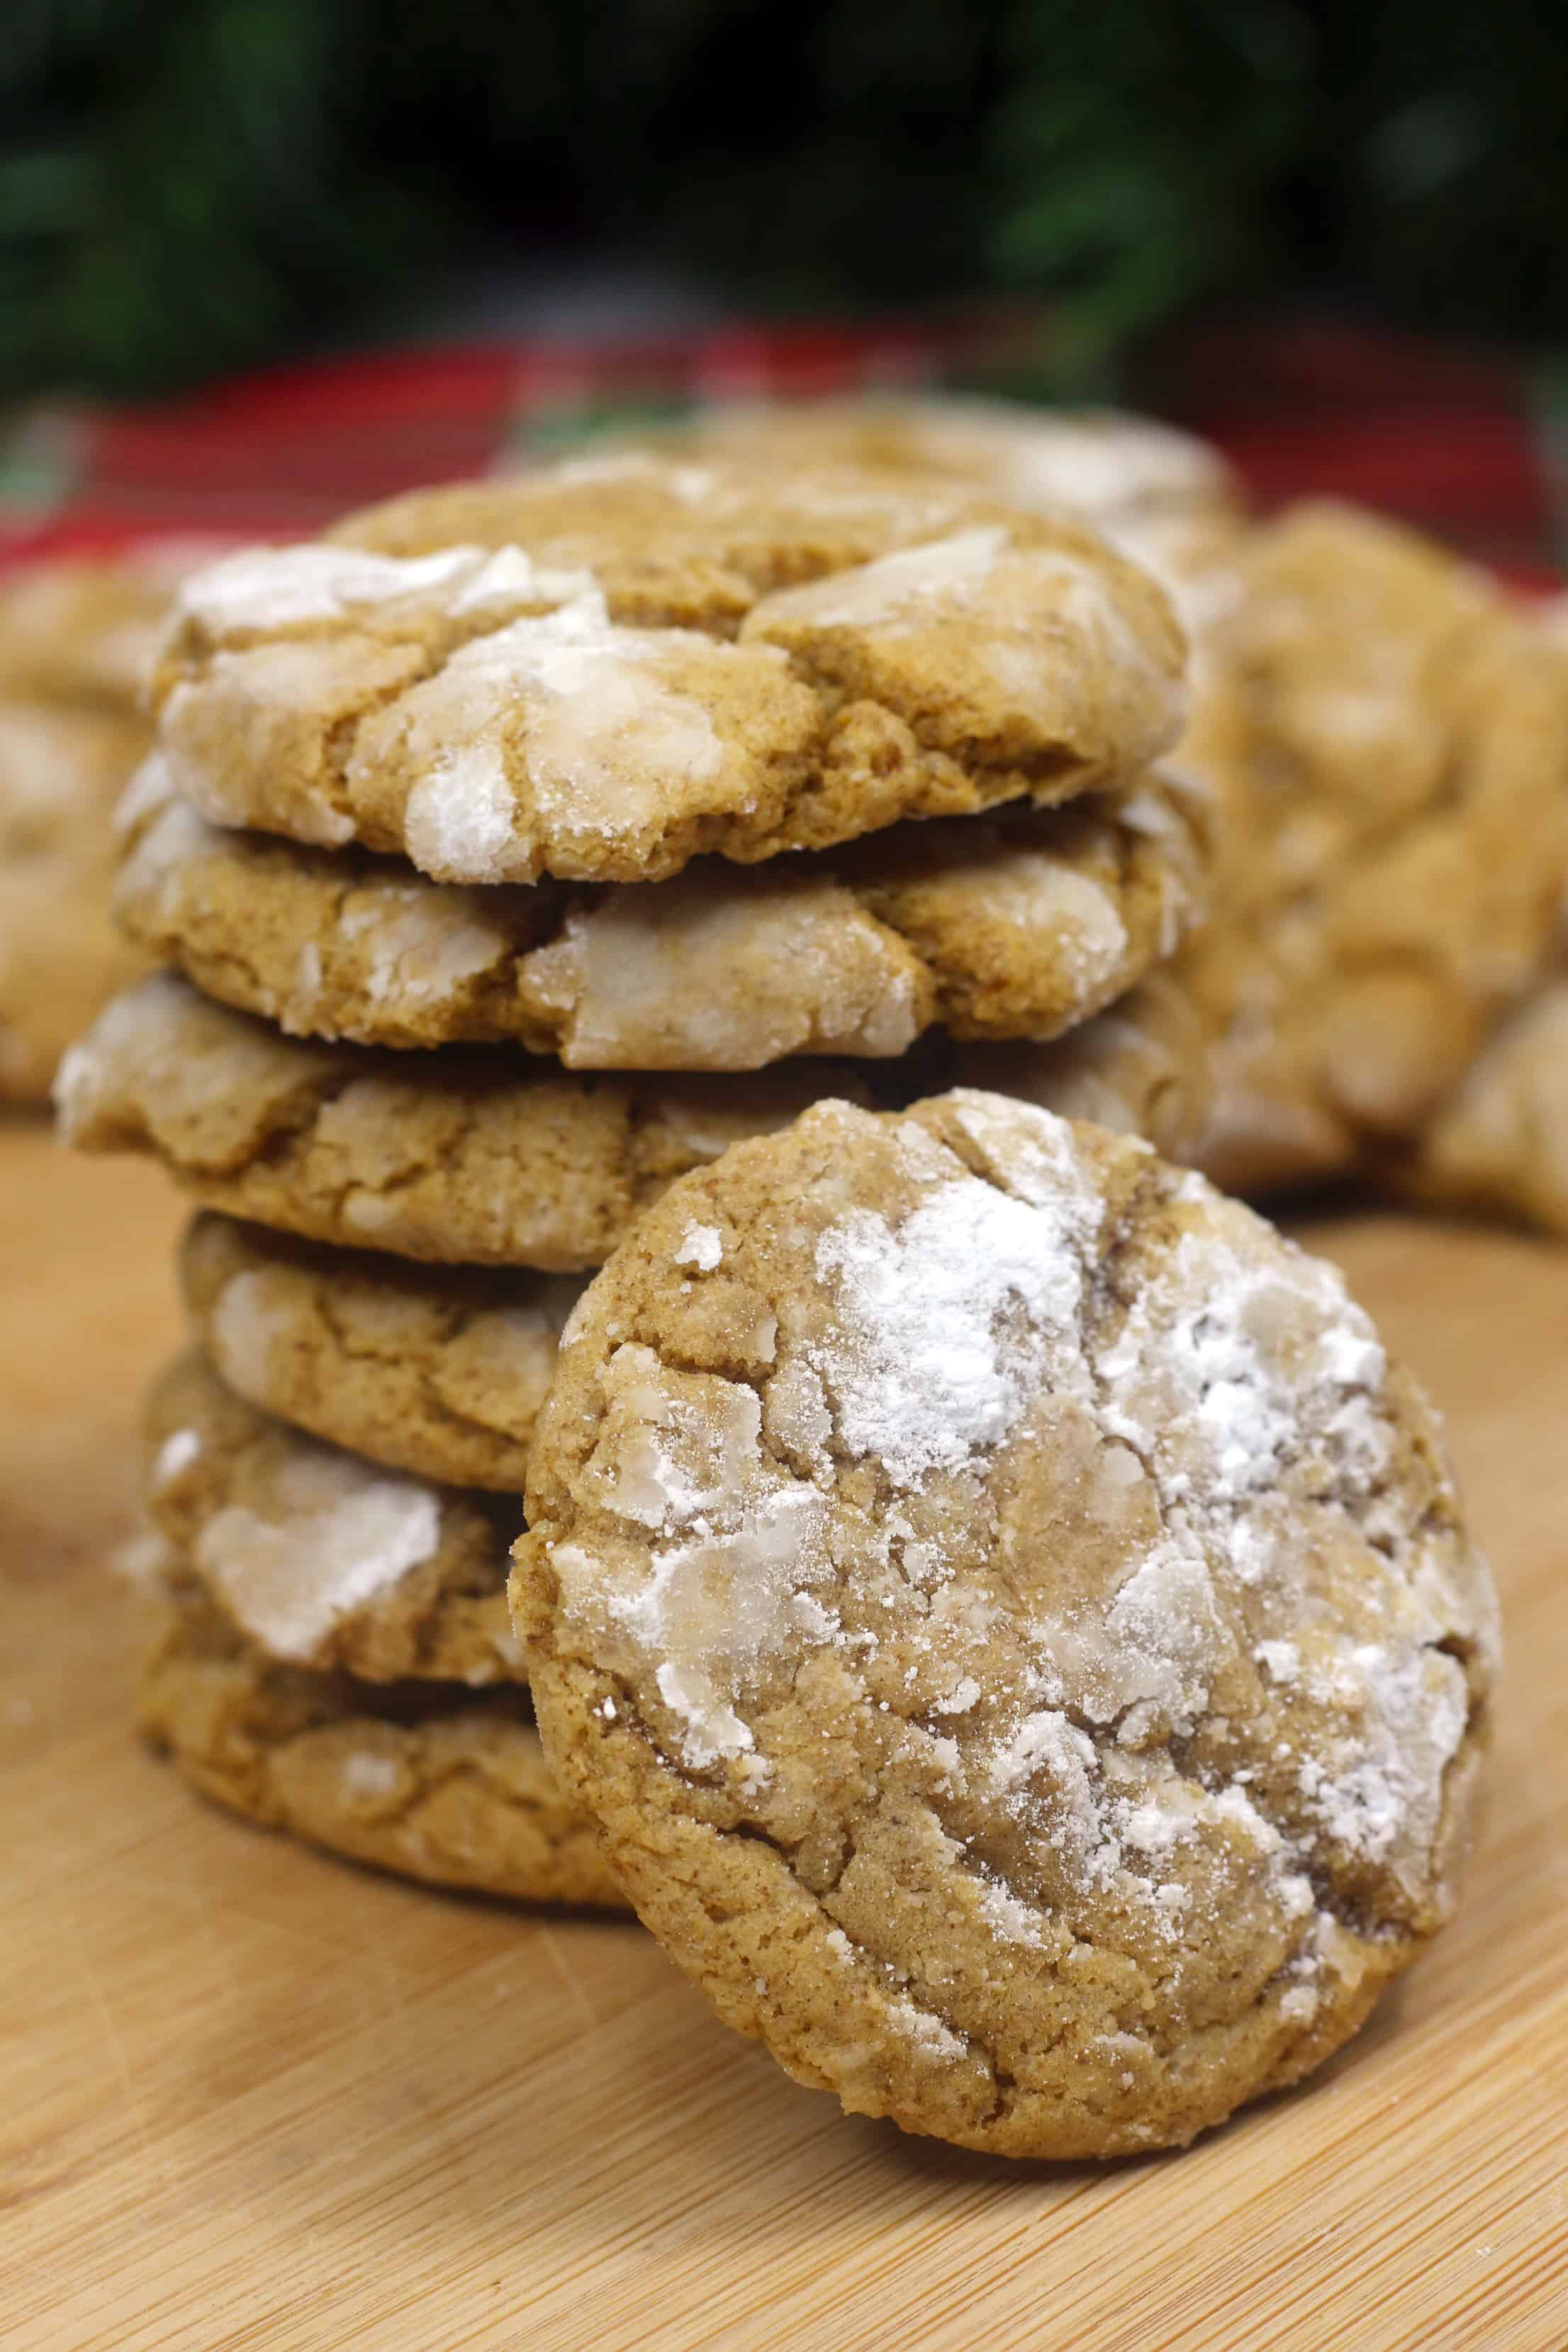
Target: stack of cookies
{"x": 508, "y": 853}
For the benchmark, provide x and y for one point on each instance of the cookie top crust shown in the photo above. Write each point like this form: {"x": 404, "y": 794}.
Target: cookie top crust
{"x": 603, "y": 670}
{"x": 439, "y": 1370}
{"x": 1016, "y": 924}
{"x": 1103, "y": 466}
{"x": 461, "y": 1157}
{"x": 320, "y": 1557}
{"x": 1012, "y": 1624}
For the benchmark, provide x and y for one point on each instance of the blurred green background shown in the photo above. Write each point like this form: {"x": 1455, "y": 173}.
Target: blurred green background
{"x": 189, "y": 185}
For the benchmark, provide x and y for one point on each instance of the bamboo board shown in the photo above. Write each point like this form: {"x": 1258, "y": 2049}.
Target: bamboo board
{"x": 253, "y": 2097}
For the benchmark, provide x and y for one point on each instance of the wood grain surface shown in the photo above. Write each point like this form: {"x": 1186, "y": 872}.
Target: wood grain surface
{"x": 253, "y": 2097}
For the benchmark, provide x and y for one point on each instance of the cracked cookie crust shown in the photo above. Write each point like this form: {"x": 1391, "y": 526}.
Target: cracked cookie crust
{"x": 430, "y": 1783}
{"x": 1013, "y": 926}
{"x": 1011, "y": 1623}
{"x": 437, "y": 1370}
{"x": 603, "y": 670}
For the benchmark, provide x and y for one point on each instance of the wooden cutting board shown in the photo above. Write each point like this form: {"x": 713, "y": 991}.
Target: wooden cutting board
{"x": 253, "y": 2097}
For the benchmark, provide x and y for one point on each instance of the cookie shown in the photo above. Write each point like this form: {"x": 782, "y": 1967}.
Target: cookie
{"x": 323, "y": 1558}
{"x": 1013, "y": 1627}
{"x": 1019, "y": 925}
{"x": 83, "y": 630}
{"x": 1385, "y": 735}
{"x": 453, "y": 1157}
{"x": 1499, "y": 1144}
{"x": 1104, "y": 465}
{"x": 431, "y": 1782}
{"x": 1144, "y": 1068}
{"x": 439, "y": 1371}
{"x": 61, "y": 769}
{"x": 601, "y": 673}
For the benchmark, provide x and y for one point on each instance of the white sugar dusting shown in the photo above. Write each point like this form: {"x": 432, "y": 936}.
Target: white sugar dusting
{"x": 283, "y": 587}
{"x": 363, "y": 1774}
{"x": 941, "y": 1324}
{"x": 336, "y": 1537}
{"x": 702, "y": 1246}
{"x": 575, "y": 703}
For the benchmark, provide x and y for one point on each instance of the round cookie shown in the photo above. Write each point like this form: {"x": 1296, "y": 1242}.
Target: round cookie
{"x": 456, "y": 1157}
{"x": 1019, "y": 925}
{"x": 83, "y": 630}
{"x": 1386, "y": 736}
{"x": 1501, "y": 1141}
{"x": 601, "y": 672}
{"x": 1013, "y": 1627}
{"x": 430, "y": 1782}
{"x": 439, "y": 1371}
{"x": 1144, "y": 1068}
{"x": 321, "y": 1557}
{"x": 61, "y": 769}
{"x": 1104, "y": 465}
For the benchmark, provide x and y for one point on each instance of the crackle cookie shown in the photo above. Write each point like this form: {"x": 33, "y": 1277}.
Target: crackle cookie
{"x": 1501, "y": 1143}
{"x": 1013, "y": 1626}
{"x": 439, "y": 1371}
{"x": 83, "y": 630}
{"x": 1144, "y": 1068}
{"x": 432, "y": 1782}
{"x": 1386, "y": 736}
{"x": 324, "y": 1558}
{"x": 1103, "y": 466}
{"x": 601, "y": 672}
{"x": 1015, "y": 925}
{"x": 457, "y": 1156}
{"x": 62, "y": 771}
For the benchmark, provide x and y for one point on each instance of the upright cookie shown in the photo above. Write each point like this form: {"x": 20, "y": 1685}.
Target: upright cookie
{"x": 320, "y": 1557}
{"x": 1018, "y": 926}
{"x": 601, "y": 673}
{"x": 430, "y": 1783}
{"x": 453, "y": 1157}
{"x": 1013, "y": 1625}
{"x": 439, "y": 1370}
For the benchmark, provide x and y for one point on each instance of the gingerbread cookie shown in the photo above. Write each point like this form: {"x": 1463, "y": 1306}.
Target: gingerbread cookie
{"x": 61, "y": 769}
{"x": 439, "y": 1371}
{"x": 600, "y": 673}
{"x": 456, "y": 1157}
{"x": 1104, "y": 465}
{"x": 321, "y": 1556}
{"x": 1145, "y": 1067}
{"x": 1386, "y": 735}
{"x": 1021, "y": 925}
{"x": 1013, "y": 1625}
{"x": 1501, "y": 1141}
{"x": 429, "y": 1781}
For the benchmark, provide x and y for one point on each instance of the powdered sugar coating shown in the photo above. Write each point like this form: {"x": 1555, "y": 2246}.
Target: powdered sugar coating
{"x": 1016, "y": 1560}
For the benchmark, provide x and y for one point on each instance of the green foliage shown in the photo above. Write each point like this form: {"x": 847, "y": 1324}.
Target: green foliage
{"x": 189, "y": 185}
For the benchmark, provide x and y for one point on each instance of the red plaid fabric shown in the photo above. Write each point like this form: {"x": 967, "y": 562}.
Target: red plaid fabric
{"x": 1471, "y": 447}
